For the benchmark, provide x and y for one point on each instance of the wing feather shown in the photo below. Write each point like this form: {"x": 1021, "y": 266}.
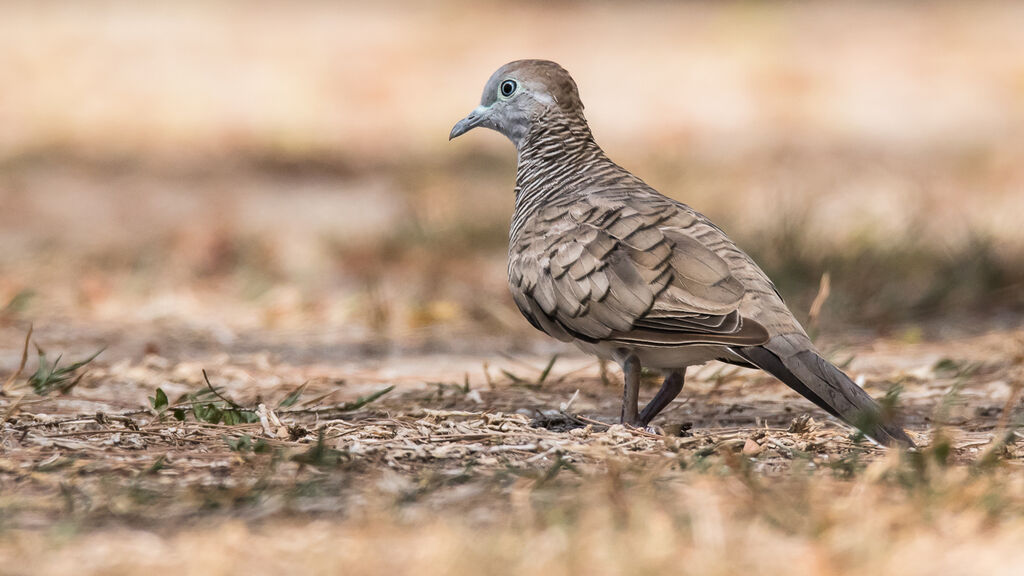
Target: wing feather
{"x": 605, "y": 271}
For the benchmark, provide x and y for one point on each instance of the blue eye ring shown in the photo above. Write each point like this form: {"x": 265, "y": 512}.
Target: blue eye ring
{"x": 508, "y": 88}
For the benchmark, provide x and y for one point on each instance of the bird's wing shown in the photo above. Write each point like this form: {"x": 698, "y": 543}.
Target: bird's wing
{"x": 625, "y": 273}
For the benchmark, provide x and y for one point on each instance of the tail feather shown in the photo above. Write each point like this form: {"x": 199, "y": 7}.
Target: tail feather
{"x": 803, "y": 370}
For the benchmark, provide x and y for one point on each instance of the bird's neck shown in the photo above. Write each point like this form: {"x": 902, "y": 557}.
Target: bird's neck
{"x": 553, "y": 156}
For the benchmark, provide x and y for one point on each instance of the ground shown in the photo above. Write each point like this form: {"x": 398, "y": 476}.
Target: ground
{"x": 503, "y": 463}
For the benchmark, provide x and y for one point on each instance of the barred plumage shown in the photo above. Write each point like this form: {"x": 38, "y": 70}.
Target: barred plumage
{"x": 599, "y": 258}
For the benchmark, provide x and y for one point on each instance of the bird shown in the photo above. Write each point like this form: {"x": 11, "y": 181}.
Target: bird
{"x": 600, "y": 259}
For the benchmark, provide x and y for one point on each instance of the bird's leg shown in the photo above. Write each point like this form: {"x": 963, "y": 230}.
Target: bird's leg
{"x": 631, "y": 390}
{"x": 671, "y": 388}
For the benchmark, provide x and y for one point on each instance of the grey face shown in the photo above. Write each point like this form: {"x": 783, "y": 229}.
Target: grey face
{"x": 516, "y": 95}
{"x": 502, "y": 108}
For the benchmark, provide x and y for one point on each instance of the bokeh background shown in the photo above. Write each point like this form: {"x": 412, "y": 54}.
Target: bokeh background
{"x": 310, "y": 360}
{"x": 281, "y": 170}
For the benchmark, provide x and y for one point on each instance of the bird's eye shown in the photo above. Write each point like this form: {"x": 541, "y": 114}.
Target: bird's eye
{"x": 508, "y": 87}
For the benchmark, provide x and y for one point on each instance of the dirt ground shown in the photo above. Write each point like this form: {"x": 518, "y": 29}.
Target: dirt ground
{"x": 502, "y": 463}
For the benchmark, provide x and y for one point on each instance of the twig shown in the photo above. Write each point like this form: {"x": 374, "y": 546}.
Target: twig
{"x": 586, "y": 420}
{"x": 261, "y": 411}
{"x": 225, "y": 427}
{"x": 637, "y": 431}
{"x": 438, "y": 437}
{"x": 512, "y": 448}
{"x": 487, "y": 376}
{"x": 549, "y": 451}
{"x": 21, "y": 367}
{"x": 83, "y": 419}
{"x": 980, "y": 443}
{"x": 120, "y": 431}
{"x": 12, "y": 409}
{"x": 576, "y": 418}
{"x": 568, "y": 404}
{"x": 824, "y": 289}
{"x": 786, "y": 450}
{"x": 1004, "y": 417}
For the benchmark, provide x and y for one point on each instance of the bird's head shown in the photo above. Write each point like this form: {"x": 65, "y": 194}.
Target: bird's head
{"x": 518, "y": 95}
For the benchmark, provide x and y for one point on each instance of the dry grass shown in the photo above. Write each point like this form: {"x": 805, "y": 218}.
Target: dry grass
{"x": 506, "y": 467}
{"x": 671, "y": 524}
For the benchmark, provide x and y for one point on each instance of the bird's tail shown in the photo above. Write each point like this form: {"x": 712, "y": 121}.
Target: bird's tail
{"x": 792, "y": 360}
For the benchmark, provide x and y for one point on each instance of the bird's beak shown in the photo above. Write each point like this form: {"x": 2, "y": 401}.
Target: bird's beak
{"x": 475, "y": 118}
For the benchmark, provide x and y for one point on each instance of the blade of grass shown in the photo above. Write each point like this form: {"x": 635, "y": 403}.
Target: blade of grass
{"x": 547, "y": 370}
{"x": 346, "y": 407}
{"x": 48, "y": 378}
{"x": 227, "y": 400}
{"x": 515, "y": 379}
{"x": 293, "y": 396}
{"x": 363, "y": 401}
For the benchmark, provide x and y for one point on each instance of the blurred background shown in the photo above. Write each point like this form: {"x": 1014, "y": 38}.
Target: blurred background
{"x": 231, "y": 169}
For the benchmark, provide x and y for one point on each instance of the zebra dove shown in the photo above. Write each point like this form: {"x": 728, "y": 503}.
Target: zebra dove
{"x": 600, "y": 259}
